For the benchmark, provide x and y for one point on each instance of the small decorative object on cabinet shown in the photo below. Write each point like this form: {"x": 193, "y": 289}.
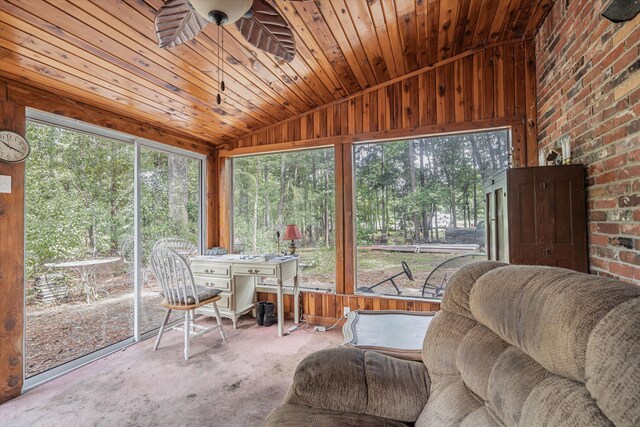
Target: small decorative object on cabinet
{"x": 537, "y": 216}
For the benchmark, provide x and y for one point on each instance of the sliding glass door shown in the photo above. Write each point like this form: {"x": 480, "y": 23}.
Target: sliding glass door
{"x": 169, "y": 213}
{"x": 93, "y": 197}
{"x": 79, "y": 215}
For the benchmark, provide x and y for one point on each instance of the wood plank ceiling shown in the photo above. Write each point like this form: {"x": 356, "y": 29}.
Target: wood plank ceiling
{"x": 104, "y": 53}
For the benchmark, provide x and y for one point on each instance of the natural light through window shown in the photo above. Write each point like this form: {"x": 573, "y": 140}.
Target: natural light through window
{"x": 419, "y": 204}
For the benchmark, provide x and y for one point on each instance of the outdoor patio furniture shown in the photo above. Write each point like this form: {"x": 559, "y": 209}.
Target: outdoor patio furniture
{"x": 86, "y": 271}
{"x": 181, "y": 293}
{"x": 182, "y": 246}
{"x": 436, "y": 281}
{"x": 405, "y": 270}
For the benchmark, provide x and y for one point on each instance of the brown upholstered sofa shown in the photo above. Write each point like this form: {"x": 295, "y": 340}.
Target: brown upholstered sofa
{"x": 512, "y": 345}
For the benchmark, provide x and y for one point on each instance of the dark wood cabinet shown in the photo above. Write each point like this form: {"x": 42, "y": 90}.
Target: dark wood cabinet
{"x": 537, "y": 216}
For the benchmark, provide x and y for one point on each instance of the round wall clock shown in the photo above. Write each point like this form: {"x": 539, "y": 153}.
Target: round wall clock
{"x": 14, "y": 148}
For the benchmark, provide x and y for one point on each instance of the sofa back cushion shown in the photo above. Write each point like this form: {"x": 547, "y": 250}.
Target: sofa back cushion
{"x": 529, "y": 345}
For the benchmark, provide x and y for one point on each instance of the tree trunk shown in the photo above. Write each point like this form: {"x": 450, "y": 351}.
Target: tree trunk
{"x": 412, "y": 172}
{"x": 178, "y": 193}
{"x": 255, "y": 208}
{"x": 282, "y": 193}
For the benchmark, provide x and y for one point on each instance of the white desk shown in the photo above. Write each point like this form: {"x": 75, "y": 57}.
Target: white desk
{"x": 237, "y": 277}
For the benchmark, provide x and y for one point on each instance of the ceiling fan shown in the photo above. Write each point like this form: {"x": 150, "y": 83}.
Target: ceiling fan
{"x": 179, "y": 21}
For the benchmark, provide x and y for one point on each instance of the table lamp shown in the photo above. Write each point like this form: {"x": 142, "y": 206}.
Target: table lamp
{"x": 292, "y": 233}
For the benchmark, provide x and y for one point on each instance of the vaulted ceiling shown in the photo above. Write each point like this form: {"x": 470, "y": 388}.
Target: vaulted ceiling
{"x": 105, "y": 53}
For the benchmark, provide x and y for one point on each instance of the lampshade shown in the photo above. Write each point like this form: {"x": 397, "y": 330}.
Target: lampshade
{"x": 232, "y": 9}
{"x": 292, "y": 233}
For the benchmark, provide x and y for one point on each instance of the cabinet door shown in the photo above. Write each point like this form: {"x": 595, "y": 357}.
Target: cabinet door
{"x": 547, "y": 217}
{"x": 561, "y": 216}
{"x": 524, "y": 236}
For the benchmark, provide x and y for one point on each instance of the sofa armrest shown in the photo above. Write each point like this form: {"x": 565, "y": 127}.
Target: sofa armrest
{"x": 352, "y": 380}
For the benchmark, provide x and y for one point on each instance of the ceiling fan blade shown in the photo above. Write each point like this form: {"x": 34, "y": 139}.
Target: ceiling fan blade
{"x": 267, "y": 30}
{"x": 177, "y": 22}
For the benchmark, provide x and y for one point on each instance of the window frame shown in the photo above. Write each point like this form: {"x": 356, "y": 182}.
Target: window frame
{"x": 54, "y": 120}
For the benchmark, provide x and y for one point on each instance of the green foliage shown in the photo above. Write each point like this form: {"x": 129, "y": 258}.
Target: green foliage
{"x": 403, "y": 186}
{"x": 80, "y": 196}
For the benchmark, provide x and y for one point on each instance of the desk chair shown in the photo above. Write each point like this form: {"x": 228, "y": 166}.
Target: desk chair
{"x": 181, "y": 293}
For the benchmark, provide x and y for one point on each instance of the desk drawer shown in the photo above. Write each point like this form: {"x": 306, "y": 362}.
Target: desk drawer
{"x": 256, "y": 270}
{"x": 224, "y": 305}
{"x": 225, "y": 301}
{"x": 221, "y": 270}
{"x": 213, "y": 282}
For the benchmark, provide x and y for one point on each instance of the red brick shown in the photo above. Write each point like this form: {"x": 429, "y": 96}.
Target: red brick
{"x": 606, "y": 177}
{"x": 629, "y": 200}
{"x": 615, "y": 162}
{"x": 604, "y": 204}
{"x": 599, "y": 263}
{"x": 634, "y": 156}
{"x": 630, "y": 229}
{"x": 599, "y": 239}
{"x": 621, "y": 269}
{"x": 630, "y": 257}
{"x": 614, "y": 135}
{"x": 608, "y": 228}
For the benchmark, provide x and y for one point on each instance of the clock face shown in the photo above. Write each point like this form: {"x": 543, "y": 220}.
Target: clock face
{"x": 13, "y": 147}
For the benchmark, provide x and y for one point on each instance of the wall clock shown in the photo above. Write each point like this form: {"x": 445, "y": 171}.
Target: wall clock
{"x": 14, "y": 148}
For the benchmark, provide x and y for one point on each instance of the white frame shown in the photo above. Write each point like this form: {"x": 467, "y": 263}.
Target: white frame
{"x": 138, "y": 143}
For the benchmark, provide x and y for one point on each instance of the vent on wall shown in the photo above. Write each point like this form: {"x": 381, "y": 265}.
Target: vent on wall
{"x": 622, "y": 10}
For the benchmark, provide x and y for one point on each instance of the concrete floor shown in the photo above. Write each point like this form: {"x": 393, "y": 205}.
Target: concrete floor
{"x": 232, "y": 383}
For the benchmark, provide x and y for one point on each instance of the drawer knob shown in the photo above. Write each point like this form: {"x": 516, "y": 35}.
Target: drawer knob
{"x": 206, "y": 270}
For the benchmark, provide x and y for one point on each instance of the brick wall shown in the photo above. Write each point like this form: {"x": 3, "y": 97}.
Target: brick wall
{"x": 588, "y": 72}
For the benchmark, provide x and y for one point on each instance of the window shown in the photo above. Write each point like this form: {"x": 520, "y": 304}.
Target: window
{"x": 420, "y": 201}
{"x": 80, "y": 225}
{"x": 273, "y": 190}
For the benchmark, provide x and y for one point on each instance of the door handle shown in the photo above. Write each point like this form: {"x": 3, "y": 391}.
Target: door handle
{"x": 546, "y": 252}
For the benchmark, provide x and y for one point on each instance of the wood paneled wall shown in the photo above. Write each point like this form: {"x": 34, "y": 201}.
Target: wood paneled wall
{"x": 481, "y": 89}
{"x": 489, "y": 87}
{"x": 326, "y": 309}
{"x": 11, "y": 260}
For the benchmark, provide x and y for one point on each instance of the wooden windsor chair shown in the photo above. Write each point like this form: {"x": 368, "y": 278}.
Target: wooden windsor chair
{"x": 181, "y": 293}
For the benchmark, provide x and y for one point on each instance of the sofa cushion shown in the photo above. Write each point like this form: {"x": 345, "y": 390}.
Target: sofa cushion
{"x": 536, "y": 335}
{"x": 361, "y": 382}
{"x": 547, "y": 312}
{"x": 303, "y": 415}
{"x": 456, "y": 298}
{"x": 613, "y": 363}
{"x": 388, "y": 380}
{"x": 340, "y": 370}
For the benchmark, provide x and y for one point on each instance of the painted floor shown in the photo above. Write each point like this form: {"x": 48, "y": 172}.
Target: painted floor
{"x": 232, "y": 383}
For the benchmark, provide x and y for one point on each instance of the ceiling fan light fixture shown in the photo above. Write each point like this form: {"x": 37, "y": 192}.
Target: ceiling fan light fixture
{"x": 222, "y": 12}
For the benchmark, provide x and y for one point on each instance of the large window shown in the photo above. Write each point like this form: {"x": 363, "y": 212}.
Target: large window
{"x": 420, "y": 201}
{"x": 273, "y": 190}
{"x": 81, "y": 205}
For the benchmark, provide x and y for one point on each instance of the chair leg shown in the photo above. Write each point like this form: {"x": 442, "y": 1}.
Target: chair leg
{"x": 161, "y": 331}
{"x": 218, "y": 319}
{"x": 187, "y": 333}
